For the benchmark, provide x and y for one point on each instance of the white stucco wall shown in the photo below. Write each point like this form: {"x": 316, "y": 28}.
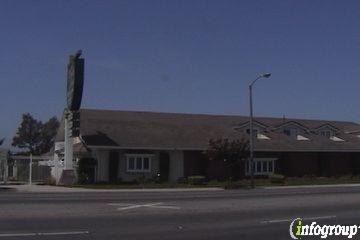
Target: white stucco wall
{"x": 176, "y": 168}
{"x": 58, "y": 161}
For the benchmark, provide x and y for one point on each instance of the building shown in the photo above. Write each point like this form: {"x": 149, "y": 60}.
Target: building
{"x": 127, "y": 144}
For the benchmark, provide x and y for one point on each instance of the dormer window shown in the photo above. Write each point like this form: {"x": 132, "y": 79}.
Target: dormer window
{"x": 291, "y": 132}
{"x": 255, "y": 131}
{"x": 292, "y": 129}
{"x": 258, "y": 134}
{"x": 327, "y": 130}
{"x": 326, "y": 133}
{"x": 257, "y": 128}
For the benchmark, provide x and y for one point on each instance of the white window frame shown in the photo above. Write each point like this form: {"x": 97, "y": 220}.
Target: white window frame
{"x": 136, "y": 156}
{"x": 327, "y": 133}
{"x": 261, "y": 162}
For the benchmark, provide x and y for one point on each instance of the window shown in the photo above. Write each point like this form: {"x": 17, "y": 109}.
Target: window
{"x": 326, "y": 130}
{"x": 131, "y": 163}
{"x": 138, "y": 162}
{"x": 291, "y": 132}
{"x": 271, "y": 167}
{"x": 146, "y": 163}
{"x": 255, "y": 131}
{"x": 262, "y": 166}
{"x": 287, "y": 132}
{"x": 326, "y": 133}
{"x": 258, "y": 166}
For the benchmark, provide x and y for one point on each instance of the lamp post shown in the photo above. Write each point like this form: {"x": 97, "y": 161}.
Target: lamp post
{"x": 252, "y": 167}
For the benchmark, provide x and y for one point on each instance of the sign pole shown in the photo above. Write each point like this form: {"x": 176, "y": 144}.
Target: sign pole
{"x": 75, "y": 82}
{"x": 68, "y": 145}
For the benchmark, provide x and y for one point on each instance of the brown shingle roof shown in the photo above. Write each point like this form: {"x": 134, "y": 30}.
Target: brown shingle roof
{"x": 151, "y": 130}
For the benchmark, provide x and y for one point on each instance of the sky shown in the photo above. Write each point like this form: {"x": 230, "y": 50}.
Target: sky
{"x": 188, "y": 56}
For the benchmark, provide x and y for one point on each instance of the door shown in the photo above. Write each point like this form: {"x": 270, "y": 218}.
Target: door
{"x": 113, "y": 166}
{"x": 164, "y": 159}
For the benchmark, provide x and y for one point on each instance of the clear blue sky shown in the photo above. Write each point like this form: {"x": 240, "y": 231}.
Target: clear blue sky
{"x": 182, "y": 56}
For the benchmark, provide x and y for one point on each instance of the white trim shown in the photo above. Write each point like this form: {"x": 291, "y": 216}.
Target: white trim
{"x": 146, "y": 148}
{"x": 262, "y": 136}
{"x": 202, "y": 149}
{"x": 336, "y": 139}
{"x": 135, "y": 157}
{"x": 255, "y": 123}
{"x": 294, "y": 123}
{"x": 326, "y": 125}
{"x": 302, "y": 138}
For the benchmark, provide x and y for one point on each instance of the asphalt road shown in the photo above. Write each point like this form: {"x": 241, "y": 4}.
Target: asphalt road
{"x": 241, "y": 214}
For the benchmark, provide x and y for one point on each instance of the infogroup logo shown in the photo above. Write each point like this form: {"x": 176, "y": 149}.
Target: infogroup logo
{"x": 298, "y": 229}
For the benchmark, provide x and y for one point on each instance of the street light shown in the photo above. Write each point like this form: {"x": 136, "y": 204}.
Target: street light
{"x": 252, "y": 167}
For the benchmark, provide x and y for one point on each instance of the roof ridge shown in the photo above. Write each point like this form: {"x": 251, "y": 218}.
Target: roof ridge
{"x": 222, "y": 115}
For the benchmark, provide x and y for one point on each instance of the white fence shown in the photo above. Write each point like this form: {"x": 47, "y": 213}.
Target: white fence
{"x": 3, "y": 165}
{"x": 29, "y": 169}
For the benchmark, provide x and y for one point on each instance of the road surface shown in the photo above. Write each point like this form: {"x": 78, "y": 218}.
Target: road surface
{"x": 238, "y": 214}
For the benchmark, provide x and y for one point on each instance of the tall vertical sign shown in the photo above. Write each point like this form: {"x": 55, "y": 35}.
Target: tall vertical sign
{"x": 75, "y": 83}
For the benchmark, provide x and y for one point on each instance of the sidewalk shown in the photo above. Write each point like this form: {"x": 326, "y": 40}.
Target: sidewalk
{"x": 60, "y": 189}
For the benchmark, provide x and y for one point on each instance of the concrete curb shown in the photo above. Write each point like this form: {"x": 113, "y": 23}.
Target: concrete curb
{"x": 56, "y": 189}
{"x": 313, "y": 186}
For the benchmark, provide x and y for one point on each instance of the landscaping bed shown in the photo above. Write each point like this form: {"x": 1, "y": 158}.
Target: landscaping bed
{"x": 259, "y": 182}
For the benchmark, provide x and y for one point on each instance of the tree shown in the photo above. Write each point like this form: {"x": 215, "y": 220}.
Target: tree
{"x": 47, "y": 134}
{"x": 34, "y": 136}
{"x": 230, "y": 153}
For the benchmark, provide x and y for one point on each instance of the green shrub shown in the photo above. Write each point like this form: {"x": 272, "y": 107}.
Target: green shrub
{"x": 229, "y": 184}
{"x": 215, "y": 183}
{"x": 86, "y": 170}
{"x": 50, "y": 181}
{"x": 196, "y": 180}
{"x": 182, "y": 180}
{"x": 277, "y": 178}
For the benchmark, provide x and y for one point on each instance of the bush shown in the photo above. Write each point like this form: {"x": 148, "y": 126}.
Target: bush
{"x": 214, "y": 183}
{"x": 233, "y": 185}
{"x": 196, "y": 180}
{"x": 50, "y": 181}
{"x": 86, "y": 170}
{"x": 182, "y": 180}
{"x": 277, "y": 178}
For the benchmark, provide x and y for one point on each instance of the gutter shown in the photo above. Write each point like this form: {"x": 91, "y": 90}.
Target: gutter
{"x": 203, "y": 149}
